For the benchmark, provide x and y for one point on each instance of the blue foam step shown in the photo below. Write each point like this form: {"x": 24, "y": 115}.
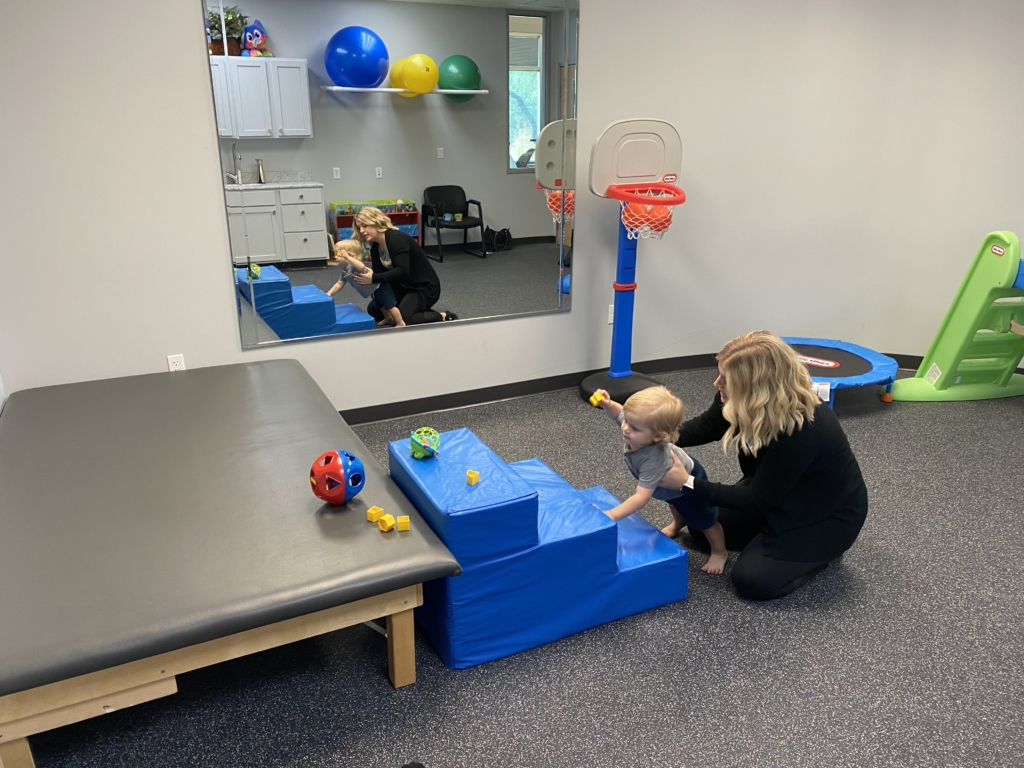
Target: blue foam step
{"x": 349, "y": 317}
{"x": 494, "y": 518}
{"x": 310, "y": 313}
{"x": 273, "y": 289}
{"x": 578, "y": 570}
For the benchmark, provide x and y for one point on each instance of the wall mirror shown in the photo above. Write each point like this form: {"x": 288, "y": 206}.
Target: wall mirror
{"x": 306, "y": 140}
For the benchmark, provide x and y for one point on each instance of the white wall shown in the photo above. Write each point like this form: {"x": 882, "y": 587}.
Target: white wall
{"x": 843, "y": 161}
{"x": 359, "y": 132}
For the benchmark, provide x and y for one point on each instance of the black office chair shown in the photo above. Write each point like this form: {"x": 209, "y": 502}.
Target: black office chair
{"x": 437, "y": 201}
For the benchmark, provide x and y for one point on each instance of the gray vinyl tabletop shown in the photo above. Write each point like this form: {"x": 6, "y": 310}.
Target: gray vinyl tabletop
{"x": 143, "y": 514}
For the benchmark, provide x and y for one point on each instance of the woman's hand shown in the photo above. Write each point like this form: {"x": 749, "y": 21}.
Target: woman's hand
{"x": 676, "y": 477}
{"x": 364, "y": 278}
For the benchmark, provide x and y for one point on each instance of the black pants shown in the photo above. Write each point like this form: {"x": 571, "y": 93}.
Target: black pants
{"x": 755, "y": 575}
{"x": 415, "y": 308}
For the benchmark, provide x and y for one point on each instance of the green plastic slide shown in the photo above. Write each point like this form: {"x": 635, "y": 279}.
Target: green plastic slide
{"x": 979, "y": 344}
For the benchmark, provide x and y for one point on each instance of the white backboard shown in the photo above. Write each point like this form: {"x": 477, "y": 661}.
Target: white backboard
{"x": 555, "y": 156}
{"x": 635, "y": 152}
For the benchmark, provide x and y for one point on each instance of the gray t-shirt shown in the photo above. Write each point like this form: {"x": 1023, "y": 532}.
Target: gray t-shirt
{"x": 650, "y": 463}
{"x": 347, "y": 270}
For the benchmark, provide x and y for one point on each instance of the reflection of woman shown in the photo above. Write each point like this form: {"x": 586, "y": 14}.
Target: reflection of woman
{"x": 802, "y": 500}
{"x": 398, "y": 260}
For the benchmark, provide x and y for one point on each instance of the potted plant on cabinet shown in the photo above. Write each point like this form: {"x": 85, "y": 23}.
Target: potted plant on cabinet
{"x": 234, "y": 25}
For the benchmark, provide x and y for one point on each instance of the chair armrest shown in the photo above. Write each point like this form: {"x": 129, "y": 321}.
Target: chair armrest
{"x": 428, "y": 210}
{"x": 479, "y": 208}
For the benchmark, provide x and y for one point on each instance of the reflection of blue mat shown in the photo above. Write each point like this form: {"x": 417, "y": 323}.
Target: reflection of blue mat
{"x": 540, "y": 559}
{"x": 299, "y": 311}
{"x": 842, "y": 365}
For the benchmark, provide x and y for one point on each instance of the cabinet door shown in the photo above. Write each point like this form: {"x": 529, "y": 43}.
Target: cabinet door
{"x": 221, "y": 96}
{"x": 250, "y": 97}
{"x": 264, "y": 234}
{"x": 289, "y": 98}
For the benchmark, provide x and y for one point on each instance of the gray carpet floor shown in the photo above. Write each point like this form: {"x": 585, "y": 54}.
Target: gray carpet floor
{"x": 523, "y": 279}
{"x": 908, "y": 651}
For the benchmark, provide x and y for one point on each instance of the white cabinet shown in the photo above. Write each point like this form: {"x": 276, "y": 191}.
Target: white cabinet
{"x": 289, "y": 98}
{"x": 282, "y": 225}
{"x": 221, "y": 97}
{"x": 265, "y": 97}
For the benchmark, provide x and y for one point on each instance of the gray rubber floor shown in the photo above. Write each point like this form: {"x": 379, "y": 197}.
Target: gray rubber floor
{"x": 908, "y": 651}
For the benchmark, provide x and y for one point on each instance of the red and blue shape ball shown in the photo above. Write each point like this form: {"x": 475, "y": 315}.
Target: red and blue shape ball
{"x": 337, "y": 476}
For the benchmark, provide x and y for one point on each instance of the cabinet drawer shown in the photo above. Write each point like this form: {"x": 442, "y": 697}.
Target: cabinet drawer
{"x": 301, "y": 196}
{"x": 304, "y": 218}
{"x": 236, "y": 198}
{"x": 305, "y": 245}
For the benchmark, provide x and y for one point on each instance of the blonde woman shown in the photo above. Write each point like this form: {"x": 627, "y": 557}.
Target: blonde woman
{"x": 802, "y": 499}
{"x": 398, "y": 260}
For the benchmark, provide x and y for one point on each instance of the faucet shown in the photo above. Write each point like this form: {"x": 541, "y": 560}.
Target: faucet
{"x": 236, "y": 166}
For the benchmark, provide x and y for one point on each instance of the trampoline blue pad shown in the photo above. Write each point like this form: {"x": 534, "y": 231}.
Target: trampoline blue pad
{"x": 881, "y": 368}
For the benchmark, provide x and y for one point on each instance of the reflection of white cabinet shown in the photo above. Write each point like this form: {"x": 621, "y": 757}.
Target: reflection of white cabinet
{"x": 221, "y": 97}
{"x": 265, "y": 97}
{"x": 282, "y": 224}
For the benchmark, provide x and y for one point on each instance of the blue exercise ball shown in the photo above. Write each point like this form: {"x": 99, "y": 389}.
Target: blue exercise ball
{"x": 356, "y": 58}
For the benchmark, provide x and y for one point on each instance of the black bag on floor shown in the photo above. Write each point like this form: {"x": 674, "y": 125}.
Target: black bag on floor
{"x": 500, "y": 240}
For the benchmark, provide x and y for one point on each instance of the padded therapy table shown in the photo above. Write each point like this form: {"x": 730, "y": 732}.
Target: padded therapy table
{"x": 156, "y": 524}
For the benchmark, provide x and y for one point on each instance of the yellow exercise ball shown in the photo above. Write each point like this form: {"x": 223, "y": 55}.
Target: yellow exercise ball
{"x": 397, "y": 76}
{"x": 420, "y": 73}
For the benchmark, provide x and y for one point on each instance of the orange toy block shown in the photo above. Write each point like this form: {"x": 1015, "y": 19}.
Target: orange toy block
{"x": 472, "y": 477}
{"x": 403, "y": 523}
{"x": 373, "y": 514}
{"x": 386, "y": 522}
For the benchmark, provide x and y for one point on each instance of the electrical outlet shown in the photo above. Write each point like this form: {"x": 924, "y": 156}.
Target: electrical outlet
{"x": 175, "y": 363}
{"x": 611, "y": 314}
{"x": 337, "y": 173}
{"x": 380, "y": 172}
{"x": 440, "y": 153}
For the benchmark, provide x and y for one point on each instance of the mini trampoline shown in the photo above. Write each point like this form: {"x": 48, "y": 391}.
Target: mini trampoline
{"x": 842, "y": 365}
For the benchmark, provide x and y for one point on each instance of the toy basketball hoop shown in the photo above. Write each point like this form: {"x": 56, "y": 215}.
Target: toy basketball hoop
{"x": 636, "y": 162}
{"x": 646, "y": 208}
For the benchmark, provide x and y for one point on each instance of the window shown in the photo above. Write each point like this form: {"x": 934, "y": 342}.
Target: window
{"x": 525, "y": 88}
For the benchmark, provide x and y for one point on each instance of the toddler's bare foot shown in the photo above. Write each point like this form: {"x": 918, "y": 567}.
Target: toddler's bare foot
{"x": 401, "y": 324}
{"x": 672, "y": 529}
{"x": 385, "y": 323}
{"x": 715, "y": 563}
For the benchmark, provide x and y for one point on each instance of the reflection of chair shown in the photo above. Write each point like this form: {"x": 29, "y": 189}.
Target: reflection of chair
{"x": 449, "y": 199}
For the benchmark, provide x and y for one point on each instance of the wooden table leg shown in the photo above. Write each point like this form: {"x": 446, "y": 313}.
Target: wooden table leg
{"x": 401, "y": 649}
{"x": 16, "y": 754}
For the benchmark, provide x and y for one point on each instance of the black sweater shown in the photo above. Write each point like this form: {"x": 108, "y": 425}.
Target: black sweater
{"x": 410, "y": 268}
{"x": 807, "y": 485}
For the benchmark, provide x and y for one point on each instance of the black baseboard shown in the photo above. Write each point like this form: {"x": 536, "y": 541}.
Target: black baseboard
{"x": 456, "y": 246}
{"x": 506, "y": 391}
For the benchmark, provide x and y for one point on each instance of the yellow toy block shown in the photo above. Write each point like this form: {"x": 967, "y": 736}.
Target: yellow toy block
{"x": 472, "y": 477}
{"x": 403, "y": 523}
{"x": 373, "y": 514}
{"x": 386, "y": 522}
{"x": 595, "y": 399}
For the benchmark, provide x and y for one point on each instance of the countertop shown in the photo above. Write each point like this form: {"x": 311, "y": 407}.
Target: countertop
{"x": 272, "y": 185}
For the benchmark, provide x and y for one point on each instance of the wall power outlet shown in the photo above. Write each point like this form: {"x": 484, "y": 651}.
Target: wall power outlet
{"x": 175, "y": 363}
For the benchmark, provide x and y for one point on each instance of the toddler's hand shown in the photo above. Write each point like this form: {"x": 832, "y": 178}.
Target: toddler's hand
{"x": 599, "y": 398}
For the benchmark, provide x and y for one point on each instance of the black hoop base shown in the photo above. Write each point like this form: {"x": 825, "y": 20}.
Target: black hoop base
{"x": 619, "y": 389}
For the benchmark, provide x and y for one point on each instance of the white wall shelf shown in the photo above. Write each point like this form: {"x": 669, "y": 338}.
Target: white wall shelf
{"x": 436, "y": 91}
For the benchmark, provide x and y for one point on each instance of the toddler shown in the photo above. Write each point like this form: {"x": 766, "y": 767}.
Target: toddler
{"x": 650, "y": 422}
{"x": 349, "y": 255}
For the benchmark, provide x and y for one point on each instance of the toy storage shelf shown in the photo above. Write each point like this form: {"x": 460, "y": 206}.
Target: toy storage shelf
{"x": 406, "y": 217}
{"x": 435, "y": 92}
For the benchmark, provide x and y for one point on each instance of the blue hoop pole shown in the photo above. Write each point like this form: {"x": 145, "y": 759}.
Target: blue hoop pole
{"x": 622, "y": 321}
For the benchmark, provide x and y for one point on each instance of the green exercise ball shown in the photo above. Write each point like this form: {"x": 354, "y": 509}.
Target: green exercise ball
{"x": 459, "y": 73}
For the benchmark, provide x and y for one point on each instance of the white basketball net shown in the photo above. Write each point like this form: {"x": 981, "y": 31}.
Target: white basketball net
{"x": 554, "y": 200}
{"x": 647, "y": 219}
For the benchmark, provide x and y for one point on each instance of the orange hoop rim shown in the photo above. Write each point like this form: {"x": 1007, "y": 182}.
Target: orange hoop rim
{"x": 640, "y": 193}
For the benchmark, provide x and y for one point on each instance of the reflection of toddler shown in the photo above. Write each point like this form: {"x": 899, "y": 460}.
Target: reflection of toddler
{"x": 650, "y": 421}
{"x": 349, "y": 255}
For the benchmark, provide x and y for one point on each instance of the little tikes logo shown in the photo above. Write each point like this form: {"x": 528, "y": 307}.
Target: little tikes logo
{"x": 998, "y": 250}
{"x": 818, "y": 362}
